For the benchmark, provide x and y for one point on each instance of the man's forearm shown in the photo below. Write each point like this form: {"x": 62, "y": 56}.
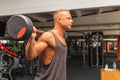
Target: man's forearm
{"x": 29, "y": 49}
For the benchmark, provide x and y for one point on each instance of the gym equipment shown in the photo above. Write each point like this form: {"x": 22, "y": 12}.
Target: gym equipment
{"x": 107, "y": 46}
{"x": 6, "y": 64}
{"x": 118, "y": 51}
{"x": 95, "y": 50}
{"x": 20, "y": 27}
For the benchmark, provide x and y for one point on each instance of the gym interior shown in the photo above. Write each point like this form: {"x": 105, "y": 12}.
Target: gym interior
{"x": 93, "y": 42}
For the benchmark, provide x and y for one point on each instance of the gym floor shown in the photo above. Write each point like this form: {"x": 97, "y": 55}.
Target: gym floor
{"x": 77, "y": 71}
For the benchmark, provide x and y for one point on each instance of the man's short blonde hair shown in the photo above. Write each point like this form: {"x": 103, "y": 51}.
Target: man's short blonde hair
{"x": 58, "y": 11}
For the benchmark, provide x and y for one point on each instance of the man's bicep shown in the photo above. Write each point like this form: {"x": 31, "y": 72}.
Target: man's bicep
{"x": 41, "y": 46}
{"x": 43, "y": 42}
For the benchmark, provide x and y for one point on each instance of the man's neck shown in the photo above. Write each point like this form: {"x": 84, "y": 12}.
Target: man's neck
{"x": 58, "y": 30}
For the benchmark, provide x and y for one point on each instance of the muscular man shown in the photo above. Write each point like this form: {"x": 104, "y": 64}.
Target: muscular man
{"x": 51, "y": 48}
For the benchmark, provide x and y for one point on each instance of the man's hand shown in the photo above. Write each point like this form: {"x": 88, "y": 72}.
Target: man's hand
{"x": 34, "y": 33}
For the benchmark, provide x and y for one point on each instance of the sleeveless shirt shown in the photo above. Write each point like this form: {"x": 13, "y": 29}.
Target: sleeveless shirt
{"x": 56, "y": 70}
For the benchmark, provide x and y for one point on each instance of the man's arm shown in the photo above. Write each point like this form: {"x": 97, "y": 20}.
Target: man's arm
{"x": 33, "y": 49}
{"x": 29, "y": 50}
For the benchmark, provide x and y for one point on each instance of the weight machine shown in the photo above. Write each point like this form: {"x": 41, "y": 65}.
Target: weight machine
{"x": 95, "y": 51}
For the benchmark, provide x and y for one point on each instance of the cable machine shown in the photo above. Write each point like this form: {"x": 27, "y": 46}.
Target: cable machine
{"x": 95, "y": 51}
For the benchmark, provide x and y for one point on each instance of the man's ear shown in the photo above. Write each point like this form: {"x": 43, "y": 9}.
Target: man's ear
{"x": 58, "y": 19}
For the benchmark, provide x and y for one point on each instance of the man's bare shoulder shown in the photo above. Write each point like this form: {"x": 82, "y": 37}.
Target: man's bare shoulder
{"x": 46, "y": 36}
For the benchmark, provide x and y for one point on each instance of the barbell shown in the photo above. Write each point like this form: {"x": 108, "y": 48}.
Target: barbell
{"x": 20, "y": 27}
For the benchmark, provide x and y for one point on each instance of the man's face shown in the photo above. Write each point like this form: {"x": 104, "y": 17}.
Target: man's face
{"x": 66, "y": 20}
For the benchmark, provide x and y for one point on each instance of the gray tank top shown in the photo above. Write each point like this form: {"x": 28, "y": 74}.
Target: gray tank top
{"x": 56, "y": 70}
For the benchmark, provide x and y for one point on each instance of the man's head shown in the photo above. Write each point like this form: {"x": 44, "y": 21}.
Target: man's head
{"x": 63, "y": 18}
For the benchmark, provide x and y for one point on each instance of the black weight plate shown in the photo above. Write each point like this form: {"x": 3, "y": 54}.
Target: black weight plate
{"x": 16, "y": 23}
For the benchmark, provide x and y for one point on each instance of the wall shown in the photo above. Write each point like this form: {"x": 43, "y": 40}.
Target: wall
{"x": 11, "y": 7}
